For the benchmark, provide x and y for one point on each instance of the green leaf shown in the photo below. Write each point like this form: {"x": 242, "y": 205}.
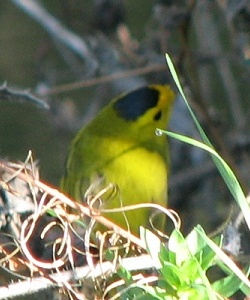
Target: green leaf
{"x": 226, "y": 260}
{"x": 225, "y": 171}
{"x": 229, "y": 286}
{"x": 153, "y": 245}
{"x": 172, "y": 274}
{"x": 194, "y": 242}
{"x": 190, "y": 269}
{"x": 125, "y": 275}
{"x": 178, "y": 245}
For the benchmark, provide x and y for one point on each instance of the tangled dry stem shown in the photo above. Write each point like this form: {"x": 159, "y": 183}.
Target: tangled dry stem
{"x": 69, "y": 252}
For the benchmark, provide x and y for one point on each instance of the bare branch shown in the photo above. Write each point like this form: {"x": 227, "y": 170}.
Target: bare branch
{"x": 143, "y": 262}
{"x": 10, "y": 94}
{"x": 58, "y": 31}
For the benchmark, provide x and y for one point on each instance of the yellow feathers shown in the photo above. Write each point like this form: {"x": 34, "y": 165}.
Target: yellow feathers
{"x": 120, "y": 146}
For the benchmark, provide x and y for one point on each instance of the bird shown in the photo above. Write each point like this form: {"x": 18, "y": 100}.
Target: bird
{"x": 120, "y": 147}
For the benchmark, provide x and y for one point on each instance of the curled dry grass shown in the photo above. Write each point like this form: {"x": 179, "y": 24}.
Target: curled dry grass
{"x": 44, "y": 237}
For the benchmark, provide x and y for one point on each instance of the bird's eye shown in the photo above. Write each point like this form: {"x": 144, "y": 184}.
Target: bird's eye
{"x": 157, "y": 116}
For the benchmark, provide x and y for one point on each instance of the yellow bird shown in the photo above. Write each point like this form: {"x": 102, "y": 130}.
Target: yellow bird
{"x": 120, "y": 146}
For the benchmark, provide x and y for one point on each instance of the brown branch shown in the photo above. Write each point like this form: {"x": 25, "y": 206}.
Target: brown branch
{"x": 73, "y": 204}
{"x": 94, "y": 81}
